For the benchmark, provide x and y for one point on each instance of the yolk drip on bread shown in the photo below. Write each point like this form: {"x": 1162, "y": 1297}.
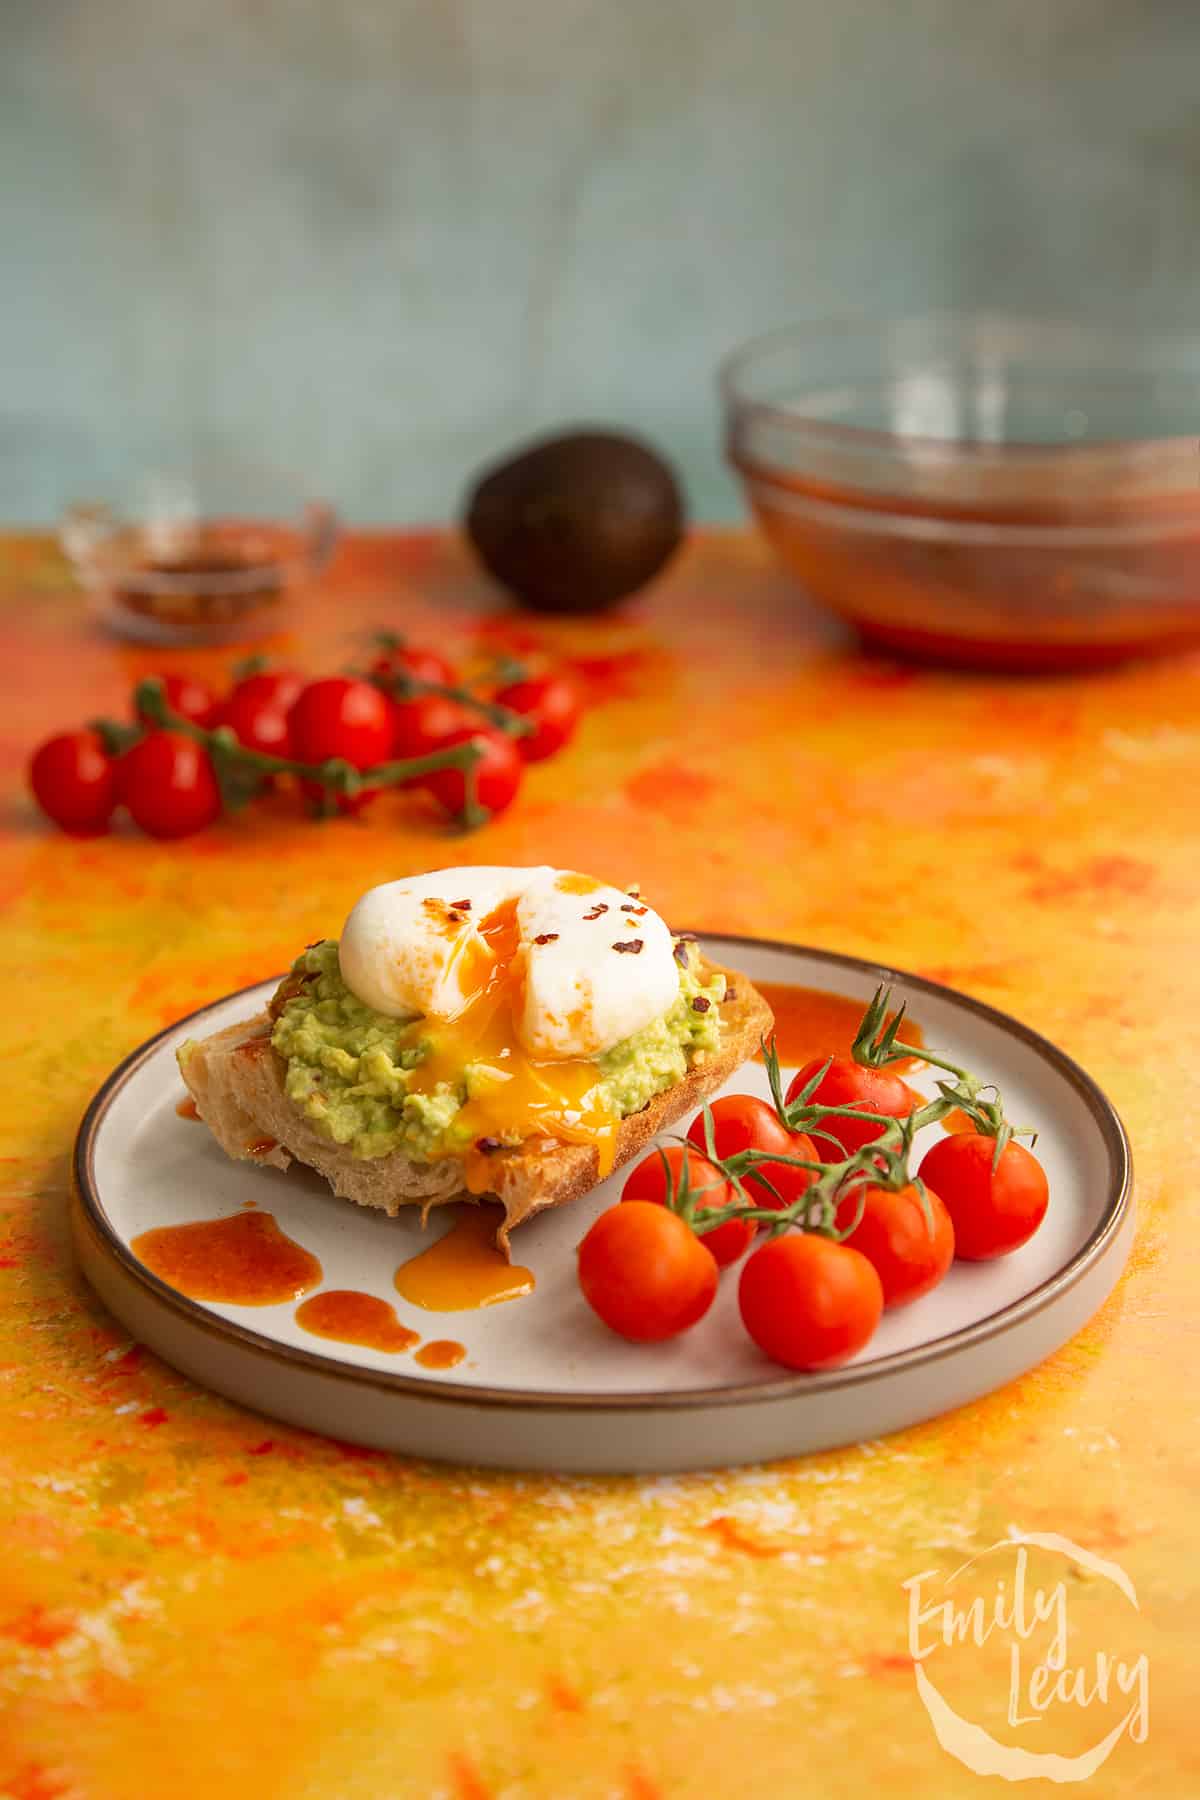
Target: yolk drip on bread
{"x": 512, "y": 1093}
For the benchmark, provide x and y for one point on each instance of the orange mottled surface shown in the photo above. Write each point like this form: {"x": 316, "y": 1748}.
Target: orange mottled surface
{"x": 196, "y": 1602}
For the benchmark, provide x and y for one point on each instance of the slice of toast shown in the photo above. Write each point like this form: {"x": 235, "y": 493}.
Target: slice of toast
{"x": 236, "y": 1079}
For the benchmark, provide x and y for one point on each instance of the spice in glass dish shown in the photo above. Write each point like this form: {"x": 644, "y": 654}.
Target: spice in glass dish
{"x": 203, "y": 558}
{"x": 181, "y": 589}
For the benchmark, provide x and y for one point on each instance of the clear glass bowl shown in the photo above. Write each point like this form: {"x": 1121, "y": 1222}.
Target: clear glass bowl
{"x": 979, "y": 489}
{"x": 198, "y": 553}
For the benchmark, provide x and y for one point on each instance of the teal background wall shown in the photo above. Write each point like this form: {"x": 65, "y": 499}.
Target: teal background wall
{"x": 378, "y": 240}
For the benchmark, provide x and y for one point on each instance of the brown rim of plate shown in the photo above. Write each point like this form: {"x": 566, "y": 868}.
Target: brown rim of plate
{"x": 90, "y": 1212}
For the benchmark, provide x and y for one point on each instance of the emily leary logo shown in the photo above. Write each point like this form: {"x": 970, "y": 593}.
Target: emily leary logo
{"x": 1049, "y": 1646}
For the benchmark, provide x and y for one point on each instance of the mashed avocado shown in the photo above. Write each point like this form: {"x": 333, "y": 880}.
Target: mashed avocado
{"x": 349, "y": 1069}
{"x": 659, "y": 1055}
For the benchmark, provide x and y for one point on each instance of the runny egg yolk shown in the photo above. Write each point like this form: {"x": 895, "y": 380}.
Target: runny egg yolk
{"x": 514, "y": 1094}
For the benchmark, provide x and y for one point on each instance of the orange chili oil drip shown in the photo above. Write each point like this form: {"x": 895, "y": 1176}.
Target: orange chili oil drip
{"x": 244, "y": 1260}
{"x": 187, "y": 1108}
{"x": 352, "y": 1317}
{"x": 440, "y": 1353}
{"x": 262, "y": 1146}
{"x": 810, "y": 1023}
{"x": 464, "y": 1269}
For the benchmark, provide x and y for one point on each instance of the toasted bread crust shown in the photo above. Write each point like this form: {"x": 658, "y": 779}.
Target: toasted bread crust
{"x": 236, "y": 1079}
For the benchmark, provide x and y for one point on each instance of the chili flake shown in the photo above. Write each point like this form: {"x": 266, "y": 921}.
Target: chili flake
{"x": 632, "y": 947}
{"x": 547, "y": 937}
{"x": 700, "y": 1004}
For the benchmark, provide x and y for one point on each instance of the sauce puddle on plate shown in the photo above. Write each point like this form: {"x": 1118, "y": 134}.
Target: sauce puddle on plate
{"x": 244, "y": 1260}
{"x": 464, "y": 1269}
{"x": 810, "y": 1023}
{"x": 352, "y": 1317}
{"x": 440, "y": 1353}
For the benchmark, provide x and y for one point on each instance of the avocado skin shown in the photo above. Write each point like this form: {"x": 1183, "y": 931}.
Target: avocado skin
{"x": 575, "y": 522}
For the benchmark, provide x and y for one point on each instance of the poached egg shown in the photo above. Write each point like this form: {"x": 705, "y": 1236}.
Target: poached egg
{"x": 527, "y": 976}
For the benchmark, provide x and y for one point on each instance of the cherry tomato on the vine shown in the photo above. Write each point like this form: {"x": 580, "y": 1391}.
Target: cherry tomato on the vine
{"x": 646, "y": 1273}
{"x": 188, "y": 699}
{"x": 339, "y": 716}
{"x": 808, "y": 1302}
{"x": 279, "y": 688}
{"x": 745, "y": 1122}
{"x": 994, "y": 1210}
{"x": 551, "y": 704}
{"x": 429, "y": 723}
{"x": 709, "y": 1188}
{"x": 909, "y": 1255}
{"x": 72, "y": 780}
{"x": 847, "y": 1083}
{"x": 497, "y": 774}
{"x": 168, "y": 784}
{"x": 258, "y": 722}
{"x": 415, "y": 661}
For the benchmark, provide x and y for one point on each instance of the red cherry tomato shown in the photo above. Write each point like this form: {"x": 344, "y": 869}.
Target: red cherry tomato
{"x": 428, "y": 723}
{"x": 847, "y": 1083}
{"x": 72, "y": 780}
{"x": 257, "y": 722}
{"x": 168, "y": 784}
{"x": 808, "y": 1302}
{"x": 995, "y": 1210}
{"x": 648, "y": 1181}
{"x": 497, "y": 775}
{"x": 344, "y": 718}
{"x": 744, "y": 1122}
{"x": 188, "y": 699}
{"x": 339, "y": 716}
{"x": 909, "y": 1255}
{"x": 417, "y": 663}
{"x": 646, "y": 1273}
{"x": 278, "y": 688}
{"x": 551, "y": 705}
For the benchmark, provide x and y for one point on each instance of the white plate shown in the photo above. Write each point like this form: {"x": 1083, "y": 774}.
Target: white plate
{"x": 544, "y": 1385}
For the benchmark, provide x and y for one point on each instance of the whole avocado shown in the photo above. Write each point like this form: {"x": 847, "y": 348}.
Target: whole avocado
{"x": 574, "y": 523}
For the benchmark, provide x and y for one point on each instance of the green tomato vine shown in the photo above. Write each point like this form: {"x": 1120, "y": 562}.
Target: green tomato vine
{"x": 884, "y": 1162}
{"x": 242, "y": 773}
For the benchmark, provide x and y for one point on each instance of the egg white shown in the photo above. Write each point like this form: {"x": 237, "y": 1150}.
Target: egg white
{"x": 581, "y": 995}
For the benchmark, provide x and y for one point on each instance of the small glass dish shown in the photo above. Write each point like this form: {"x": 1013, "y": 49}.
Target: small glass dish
{"x": 978, "y": 489}
{"x": 198, "y": 554}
